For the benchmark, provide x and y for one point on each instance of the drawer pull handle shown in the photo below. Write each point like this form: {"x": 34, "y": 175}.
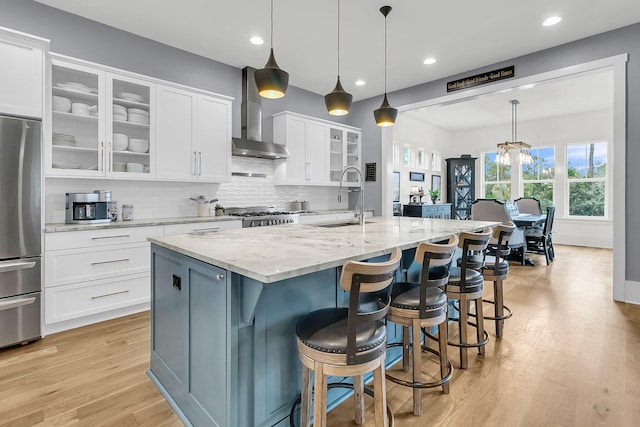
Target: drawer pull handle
{"x": 110, "y": 295}
{"x": 219, "y": 277}
{"x": 111, "y": 237}
{"x": 201, "y": 231}
{"x": 7, "y": 266}
{"x": 16, "y": 302}
{"x": 109, "y": 262}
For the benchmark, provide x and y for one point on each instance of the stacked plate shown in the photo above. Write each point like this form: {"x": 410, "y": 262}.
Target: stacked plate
{"x": 129, "y": 96}
{"x": 119, "y": 113}
{"x": 80, "y": 109}
{"x": 63, "y": 139}
{"x": 135, "y": 167}
{"x": 77, "y": 87}
{"x": 137, "y": 115}
{"x": 65, "y": 166}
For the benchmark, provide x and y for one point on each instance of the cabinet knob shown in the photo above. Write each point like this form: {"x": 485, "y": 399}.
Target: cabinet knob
{"x": 219, "y": 277}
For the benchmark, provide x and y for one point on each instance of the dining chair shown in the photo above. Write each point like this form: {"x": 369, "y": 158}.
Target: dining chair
{"x": 529, "y": 205}
{"x": 540, "y": 240}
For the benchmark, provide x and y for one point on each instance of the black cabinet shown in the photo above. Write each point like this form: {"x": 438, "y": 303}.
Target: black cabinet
{"x": 461, "y": 173}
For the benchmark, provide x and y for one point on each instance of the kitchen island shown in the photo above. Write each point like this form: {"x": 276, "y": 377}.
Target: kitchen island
{"x": 225, "y": 304}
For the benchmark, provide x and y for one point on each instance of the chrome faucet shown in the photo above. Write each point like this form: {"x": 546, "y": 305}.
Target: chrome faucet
{"x": 359, "y": 215}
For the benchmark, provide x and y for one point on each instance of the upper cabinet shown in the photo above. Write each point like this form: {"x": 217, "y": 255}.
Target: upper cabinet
{"x": 320, "y": 150}
{"x": 21, "y": 74}
{"x": 193, "y": 140}
{"x": 102, "y": 123}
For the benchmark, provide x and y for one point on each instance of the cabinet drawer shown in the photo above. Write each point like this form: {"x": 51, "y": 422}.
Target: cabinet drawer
{"x": 100, "y": 237}
{"x": 73, "y": 266}
{"x": 77, "y": 300}
{"x": 202, "y": 227}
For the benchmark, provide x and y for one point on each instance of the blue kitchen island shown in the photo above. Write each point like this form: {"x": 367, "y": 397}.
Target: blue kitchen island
{"x": 225, "y": 304}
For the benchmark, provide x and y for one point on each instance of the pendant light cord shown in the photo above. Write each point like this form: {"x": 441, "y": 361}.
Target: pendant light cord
{"x": 338, "y": 41}
{"x": 385, "y": 54}
{"x": 271, "y": 24}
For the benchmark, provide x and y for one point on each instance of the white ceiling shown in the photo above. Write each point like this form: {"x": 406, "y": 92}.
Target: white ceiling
{"x": 462, "y": 35}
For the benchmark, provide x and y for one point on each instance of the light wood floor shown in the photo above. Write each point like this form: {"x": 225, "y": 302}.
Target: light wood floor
{"x": 570, "y": 356}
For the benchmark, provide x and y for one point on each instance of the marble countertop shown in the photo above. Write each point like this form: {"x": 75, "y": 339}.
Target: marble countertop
{"x": 270, "y": 254}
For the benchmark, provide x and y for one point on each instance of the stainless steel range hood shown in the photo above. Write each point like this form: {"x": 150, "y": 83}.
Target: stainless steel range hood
{"x": 251, "y": 144}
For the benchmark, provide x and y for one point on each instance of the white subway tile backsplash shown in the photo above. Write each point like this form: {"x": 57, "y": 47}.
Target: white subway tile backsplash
{"x": 171, "y": 199}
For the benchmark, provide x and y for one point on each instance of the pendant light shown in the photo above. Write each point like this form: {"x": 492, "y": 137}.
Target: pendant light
{"x": 524, "y": 156}
{"x": 338, "y": 102}
{"x": 272, "y": 81}
{"x": 386, "y": 114}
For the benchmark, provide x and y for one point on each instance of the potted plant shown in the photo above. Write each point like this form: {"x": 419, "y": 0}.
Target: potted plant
{"x": 219, "y": 210}
{"x": 435, "y": 195}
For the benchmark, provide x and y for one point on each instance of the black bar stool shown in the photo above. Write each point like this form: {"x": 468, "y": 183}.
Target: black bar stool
{"x": 348, "y": 341}
{"x": 418, "y": 306}
{"x": 465, "y": 285}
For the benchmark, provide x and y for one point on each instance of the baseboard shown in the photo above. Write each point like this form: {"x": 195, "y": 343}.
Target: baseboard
{"x": 632, "y": 292}
{"x": 53, "y": 328}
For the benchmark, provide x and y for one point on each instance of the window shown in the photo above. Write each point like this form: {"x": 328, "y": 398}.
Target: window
{"x": 421, "y": 164}
{"x": 587, "y": 174}
{"x": 406, "y": 156}
{"x": 497, "y": 178}
{"x": 538, "y": 177}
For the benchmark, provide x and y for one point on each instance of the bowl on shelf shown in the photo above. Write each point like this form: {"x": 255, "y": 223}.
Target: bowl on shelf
{"x": 119, "y": 109}
{"x": 119, "y": 167}
{"x": 130, "y": 96}
{"x": 138, "y": 118}
{"x": 135, "y": 167}
{"x": 60, "y": 103}
{"x": 138, "y": 111}
{"x": 119, "y": 117}
{"x": 80, "y": 108}
{"x": 120, "y": 141}
{"x": 138, "y": 145}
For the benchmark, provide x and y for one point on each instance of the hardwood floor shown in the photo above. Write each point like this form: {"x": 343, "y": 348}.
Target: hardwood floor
{"x": 570, "y": 356}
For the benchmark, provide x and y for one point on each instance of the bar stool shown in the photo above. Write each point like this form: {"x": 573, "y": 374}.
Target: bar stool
{"x": 348, "y": 342}
{"x": 496, "y": 269}
{"x": 418, "y": 306}
{"x": 465, "y": 285}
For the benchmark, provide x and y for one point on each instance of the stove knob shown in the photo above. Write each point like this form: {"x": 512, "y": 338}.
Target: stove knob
{"x": 263, "y": 222}
{"x": 253, "y": 224}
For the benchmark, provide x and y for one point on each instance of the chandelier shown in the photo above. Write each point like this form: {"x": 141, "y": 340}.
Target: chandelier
{"x": 524, "y": 156}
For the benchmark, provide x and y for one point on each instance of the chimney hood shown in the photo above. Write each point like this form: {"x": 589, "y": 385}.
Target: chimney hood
{"x": 251, "y": 144}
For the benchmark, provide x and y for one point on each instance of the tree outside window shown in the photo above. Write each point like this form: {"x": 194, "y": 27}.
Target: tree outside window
{"x": 538, "y": 177}
{"x": 497, "y": 178}
{"x": 587, "y": 174}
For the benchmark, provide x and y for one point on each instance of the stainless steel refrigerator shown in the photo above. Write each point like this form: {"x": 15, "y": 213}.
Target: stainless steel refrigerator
{"x": 20, "y": 229}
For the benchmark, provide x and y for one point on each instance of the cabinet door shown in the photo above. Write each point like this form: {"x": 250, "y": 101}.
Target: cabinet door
{"x": 212, "y": 139}
{"x": 352, "y": 144}
{"x": 21, "y": 77}
{"x": 296, "y": 137}
{"x": 175, "y": 159}
{"x": 316, "y": 153}
{"x": 76, "y": 145}
{"x": 130, "y": 118}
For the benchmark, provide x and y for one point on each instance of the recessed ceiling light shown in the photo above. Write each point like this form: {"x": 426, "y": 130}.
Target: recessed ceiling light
{"x": 360, "y": 83}
{"x": 429, "y": 61}
{"x": 256, "y": 40}
{"x": 553, "y": 20}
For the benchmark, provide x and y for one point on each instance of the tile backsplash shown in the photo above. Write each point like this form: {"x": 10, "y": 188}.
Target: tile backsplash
{"x": 154, "y": 199}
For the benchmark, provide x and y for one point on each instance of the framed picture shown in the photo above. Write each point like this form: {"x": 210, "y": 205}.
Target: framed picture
{"x": 416, "y": 176}
{"x": 435, "y": 182}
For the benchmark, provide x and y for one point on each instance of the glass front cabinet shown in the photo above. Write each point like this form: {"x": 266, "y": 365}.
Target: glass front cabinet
{"x": 461, "y": 185}
{"x": 101, "y": 123}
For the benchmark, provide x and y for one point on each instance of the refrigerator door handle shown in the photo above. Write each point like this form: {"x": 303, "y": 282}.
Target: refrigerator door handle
{"x": 16, "y": 302}
{"x": 6, "y": 266}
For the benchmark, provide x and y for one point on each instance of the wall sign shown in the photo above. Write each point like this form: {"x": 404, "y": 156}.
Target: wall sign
{"x": 370, "y": 172}
{"x": 480, "y": 79}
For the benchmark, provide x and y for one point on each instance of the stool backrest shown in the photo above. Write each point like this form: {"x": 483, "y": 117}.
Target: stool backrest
{"x": 499, "y": 242}
{"x": 436, "y": 263}
{"x": 529, "y": 205}
{"x": 473, "y": 247}
{"x": 366, "y": 277}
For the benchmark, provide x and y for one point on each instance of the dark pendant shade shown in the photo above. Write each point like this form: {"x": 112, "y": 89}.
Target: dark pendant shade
{"x": 338, "y": 102}
{"x": 385, "y": 115}
{"x": 272, "y": 82}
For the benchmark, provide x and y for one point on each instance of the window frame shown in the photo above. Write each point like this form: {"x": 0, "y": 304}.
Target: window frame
{"x": 484, "y": 182}
{"x": 606, "y": 180}
{"x": 551, "y": 181}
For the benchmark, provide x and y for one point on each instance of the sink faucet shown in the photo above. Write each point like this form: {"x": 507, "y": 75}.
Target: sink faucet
{"x": 360, "y": 214}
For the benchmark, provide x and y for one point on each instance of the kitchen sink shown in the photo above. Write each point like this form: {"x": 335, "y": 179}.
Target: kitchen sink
{"x": 340, "y": 224}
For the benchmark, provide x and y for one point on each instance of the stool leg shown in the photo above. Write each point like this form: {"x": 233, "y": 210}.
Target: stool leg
{"x": 444, "y": 361}
{"x": 417, "y": 367}
{"x": 462, "y": 331}
{"x": 405, "y": 348}
{"x": 305, "y": 405}
{"x": 480, "y": 324}
{"x": 380, "y": 394}
{"x": 358, "y": 399}
{"x": 320, "y": 396}
{"x": 499, "y": 306}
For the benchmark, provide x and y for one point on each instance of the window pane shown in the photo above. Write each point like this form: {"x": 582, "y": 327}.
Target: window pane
{"x": 490, "y": 167}
{"x": 541, "y": 191}
{"x": 504, "y": 172}
{"x": 586, "y": 198}
{"x": 587, "y": 160}
{"x": 501, "y": 192}
{"x": 406, "y": 157}
{"x": 543, "y": 166}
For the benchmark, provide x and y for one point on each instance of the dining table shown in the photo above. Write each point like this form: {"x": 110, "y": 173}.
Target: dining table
{"x": 528, "y": 220}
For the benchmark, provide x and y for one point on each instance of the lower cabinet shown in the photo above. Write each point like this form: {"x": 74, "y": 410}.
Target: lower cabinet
{"x": 441, "y": 210}
{"x": 189, "y": 336}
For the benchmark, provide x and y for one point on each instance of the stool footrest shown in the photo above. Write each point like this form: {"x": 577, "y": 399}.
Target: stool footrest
{"x": 469, "y": 345}
{"x": 412, "y": 384}
{"x": 505, "y": 316}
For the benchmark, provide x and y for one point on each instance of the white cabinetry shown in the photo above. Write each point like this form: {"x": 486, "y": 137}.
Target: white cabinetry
{"x": 21, "y": 74}
{"x": 96, "y": 275}
{"x": 193, "y": 136}
{"x": 320, "y": 150}
{"x": 202, "y": 227}
{"x": 90, "y": 108}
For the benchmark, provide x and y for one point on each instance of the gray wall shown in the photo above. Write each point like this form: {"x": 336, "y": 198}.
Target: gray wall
{"x": 82, "y": 38}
